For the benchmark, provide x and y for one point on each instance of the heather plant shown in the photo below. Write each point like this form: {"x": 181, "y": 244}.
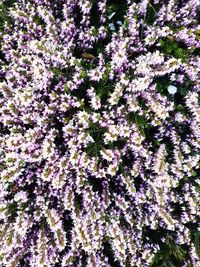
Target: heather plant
{"x": 100, "y": 133}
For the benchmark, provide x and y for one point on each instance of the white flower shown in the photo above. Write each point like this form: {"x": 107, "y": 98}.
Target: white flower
{"x": 112, "y": 169}
{"x": 107, "y": 154}
{"x": 21, "y": 196}
{"x": 95, "y": 102}
{"x": 111, "y": 15}
{"x": 119, "y": 22}
{"x": 83, "y": 118}
{"x": 90, "y": 139}
{"x": 172, "y": 89}
{"x": 111, "y": 26}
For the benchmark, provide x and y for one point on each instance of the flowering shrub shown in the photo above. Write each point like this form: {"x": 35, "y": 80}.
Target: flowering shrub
{"x": 100, "y": 133}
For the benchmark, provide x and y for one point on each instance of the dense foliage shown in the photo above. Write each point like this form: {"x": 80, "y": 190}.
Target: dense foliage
{"x": 100, "y": 133}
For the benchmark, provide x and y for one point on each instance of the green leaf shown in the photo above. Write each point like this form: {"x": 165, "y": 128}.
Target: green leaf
{"x": 156, "y": 258}
{"x": 173, "y": 48}
{"x": 83, "y": 74}
{"x": 126, "y": 23}
{"x": 179, "y": 252}
{"x": 38, "y": 20}
{"x": 4, "y": 13}
{"x": 170, "y": 264}
{"x": 151, "y": 15}
{"x": 8, "y": 3}
{"x": 197, "y": 243}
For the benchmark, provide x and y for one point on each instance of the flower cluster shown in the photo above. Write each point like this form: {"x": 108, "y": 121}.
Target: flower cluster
{"x": 100, "y": 130}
